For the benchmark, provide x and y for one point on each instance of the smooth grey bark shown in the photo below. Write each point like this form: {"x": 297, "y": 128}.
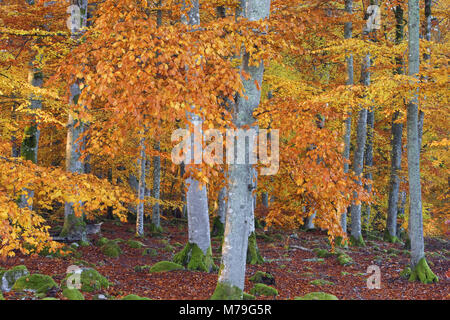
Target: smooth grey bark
{"x": 368, "y": 161}
{"x": 222, "y": 205}
{"x": 309, "y": 224}
{"x": 183, "y": 192}
{"x": 348, "y": 28}
{"x": 358, "y": 160}
{"x": 141, "y": 189}
{"x": 196, "y": 196}
{"x": 74, "y": 227}
{"x": 240, "y": 185}
{"x": 396, "y": 148}
{"x": 415, "y": 195}
{"x": 156, "y": 219}
{"x": 30, "y": 143}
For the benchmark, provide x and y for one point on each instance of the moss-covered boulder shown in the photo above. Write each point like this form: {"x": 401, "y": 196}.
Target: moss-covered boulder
{"x": 73, "y": 294}
{"x": 149, "y": 252}
{"x": 247, "y": 296}
{"x": 263, "y": 277}
{"x": 253, "y": 254}
{"x": 38, "y": 283}
{"x": 10, "y": 277}
{"x": 193, "y": 258}
{"x": 260, "y": 289}
{"x": 111, "y": 249}
{"x": 135, "y": 244}
{"x": 49, "y": 298}
{"x": 165, "y": 266}
{"x": 90, "y": 280}
{"x": 225, "y": 291}
{"x": 321, "y": 282}
{"x": 102, "y": 241}
{"x": 317, "y": 296}
{"x": 134, "y": 297}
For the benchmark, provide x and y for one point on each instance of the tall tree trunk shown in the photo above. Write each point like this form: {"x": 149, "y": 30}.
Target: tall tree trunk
{"x": 30, "y": 142}
{"x": 368, "y": 162}
{"x": 240, "y": 198}
{"x": 253, "y": 254}
{"x": 74, "y": 226}
{"x": 197, "y": 254}
{"x": 140, "y": 214}
{"x": 390, "y": 233}
{"x": 419, "y": 266}
{"x": 156, "y": 189}
{"x": 348, "y": 121}
{"x": 358, "y": 160}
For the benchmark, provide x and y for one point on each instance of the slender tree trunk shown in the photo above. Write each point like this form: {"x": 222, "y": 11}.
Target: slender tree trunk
{"x": 253, "y": 254}
{"x": 30, "y": 142}
{"x": 390, "y": 234}
{"x": 368, "y": 162}
{"x": 240, "y": 198}
{"x": 197, "y": 254}
{"x": 156, "y": 189}
{"x": 140, "y": 214}
{"x": 348, "y": 121}
{"x": 74, "y": 226}
{"x": 419, "y": 266}
{"x": 358, "y": 161}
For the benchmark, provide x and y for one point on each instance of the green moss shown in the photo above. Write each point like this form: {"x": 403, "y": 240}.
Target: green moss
{"x": 391, "y": 239}
{"x": 247, "y": 296}
{"x": 307, "y": 274}
{"x": 218, "y": 228}
{"x": 72, "y": 294}
{"x": 11, "y": 276}
{"x": 102, "y": 241}
{"x": 423, "y": 273}
{"x": 260, "y": 289}
{"x": 154, "y": 229}
{"x": 317, "y": 296}
{"x": 39, "y": 283}
{"x": 262, "y": 277}
{"x": 149, "y": 252}
{"x": 84, "y": 243}
{"x": 73, "y": 227}
{"x": 134, "y": 297}
{"x": 49, "y": 298}
{"x": 357, "y": 242}
{"x": 111, "y": 249}
{"x": 142, "y": 268}
{"x": 164, "y": 266}
{"x": 135, "y": 244}
{"x": 1, "y": 296}
{"x": 253, "y": 254}
{"x": 322, "y": 253}
{"x": 321, "y": 282}
{"x": 265, "y": 237}
{"x": 405, "y": 273}
{"x": 344, "y": 259}
{"x": 91, "y": 280}
{"x": 225, "y": 291}
{"x": 193, "y": 258}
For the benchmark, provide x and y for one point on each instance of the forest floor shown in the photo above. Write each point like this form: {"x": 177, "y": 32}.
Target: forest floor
{"x": 289, "y": 258}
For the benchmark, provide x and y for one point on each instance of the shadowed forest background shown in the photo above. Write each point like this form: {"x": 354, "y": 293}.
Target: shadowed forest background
{"x": 92, "y": 92}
